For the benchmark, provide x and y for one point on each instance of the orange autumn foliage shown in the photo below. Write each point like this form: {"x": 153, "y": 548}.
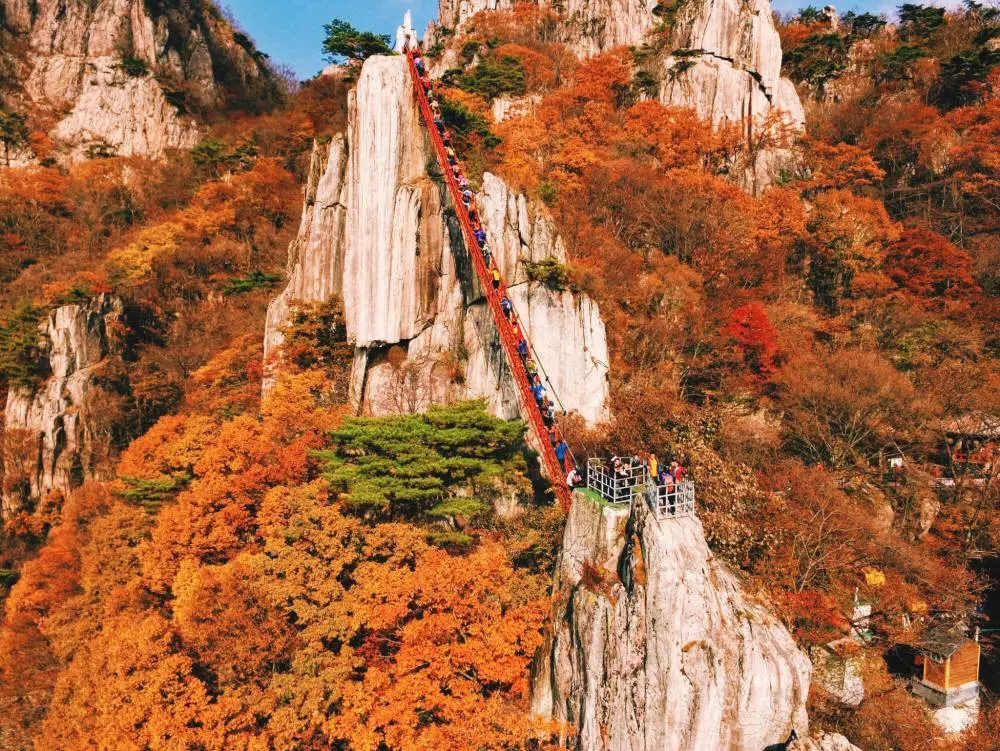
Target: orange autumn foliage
{"x": 251, "y": 613}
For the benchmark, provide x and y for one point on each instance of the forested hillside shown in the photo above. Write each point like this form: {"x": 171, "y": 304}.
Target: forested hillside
{"x": 229, "y": 570}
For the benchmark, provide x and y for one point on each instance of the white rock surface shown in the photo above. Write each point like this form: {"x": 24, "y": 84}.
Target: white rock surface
{"x": 592, "y": 26}
{"x": 839, "y": 674}
{"x": 315, "y": 257}
{"x": 49, "y": 431}
{"x": 741, "y": 32}
{"x": 716, "y": 90}
{"x": 730, "y": 73}
{"x": 506, "y": 108}
{"x": 959, "y": 718}
{"x": 129, "y": 115}
{"x": 375, "y": 230}
{"x": 655, "y": 646}
{"x": 73, "y": 63}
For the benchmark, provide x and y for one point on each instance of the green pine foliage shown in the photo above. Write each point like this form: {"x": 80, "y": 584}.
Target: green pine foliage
{"x": 214, "y": 156}
{"x": 494, "y": 77}
{"x": 549, "y": 272}
{"x": 422, "y": 466}
{"x": 152, "y": 493}
{"x": 21, "y": 359}
{"x": 134, "y": 67}
{"x": 821, "y": 57}
{"x": 919, "y": 23}
{"x": 897, "y": 63}
{"x": 13, "y": 132}
{"x": 345, "y": 43}
{"x": 453, "y": 507}
{"x": 469, "y": 127}
{"x": 251, "y": 282}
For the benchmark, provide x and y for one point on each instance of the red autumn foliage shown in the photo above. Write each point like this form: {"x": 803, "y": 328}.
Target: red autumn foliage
{"x": 927, "y": 265}
{"x": 756, "y": 336}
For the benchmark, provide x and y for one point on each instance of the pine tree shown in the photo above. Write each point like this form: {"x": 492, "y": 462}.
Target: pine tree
{"x": 414, "y": 465}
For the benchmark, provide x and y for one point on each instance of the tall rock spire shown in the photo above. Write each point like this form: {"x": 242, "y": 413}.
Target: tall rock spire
{"x": 654, "y": 644}
{"x": 379, "y": 231}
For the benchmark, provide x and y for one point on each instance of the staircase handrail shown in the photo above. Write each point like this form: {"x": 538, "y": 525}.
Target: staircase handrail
{"x": 493, "y": 296}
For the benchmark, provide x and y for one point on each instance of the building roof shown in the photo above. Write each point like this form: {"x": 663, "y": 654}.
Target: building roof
{"x": 943, "y": 641}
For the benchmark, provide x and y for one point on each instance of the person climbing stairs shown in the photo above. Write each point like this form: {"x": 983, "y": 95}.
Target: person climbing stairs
{"x": 515, "y": 344}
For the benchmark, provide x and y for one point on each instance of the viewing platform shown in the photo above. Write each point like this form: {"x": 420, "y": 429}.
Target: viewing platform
{"x": 631, "y": 481}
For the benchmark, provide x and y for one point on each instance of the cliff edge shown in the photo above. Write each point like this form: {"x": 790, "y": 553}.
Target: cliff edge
{"x": 656, "y": 646}
{"x": 51, "y": 440}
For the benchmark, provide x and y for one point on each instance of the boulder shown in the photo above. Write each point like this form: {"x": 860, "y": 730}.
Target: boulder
{"x": 654, "y": 644}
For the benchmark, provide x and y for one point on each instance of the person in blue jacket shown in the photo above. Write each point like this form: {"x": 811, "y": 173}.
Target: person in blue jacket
{"x": 480, "y": 234}
{"x": 561, "y": 450}
{"x": 539, "y": 391}
{"x": 507, "y": 307}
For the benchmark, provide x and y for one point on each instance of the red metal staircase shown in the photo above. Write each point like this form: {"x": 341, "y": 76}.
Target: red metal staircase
{"x": 529, "y": 407}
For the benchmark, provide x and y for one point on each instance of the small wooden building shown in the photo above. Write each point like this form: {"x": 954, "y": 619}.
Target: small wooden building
{"x": 950, "y": 671}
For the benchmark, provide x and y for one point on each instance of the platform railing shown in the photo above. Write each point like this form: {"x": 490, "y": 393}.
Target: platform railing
{"x": 617, "y": 486}
{"x": 674, "y": 499}
{"x": 631, "y": 480}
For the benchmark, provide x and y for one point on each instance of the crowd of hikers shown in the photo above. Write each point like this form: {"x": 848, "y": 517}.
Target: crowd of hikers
{"x": 543, "y": 402}
{"x": 663, "y": 475}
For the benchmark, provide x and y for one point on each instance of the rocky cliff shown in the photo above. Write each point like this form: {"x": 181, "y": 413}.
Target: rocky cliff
{"x": 380, "y": 232}
{"x": 50, "y": 432}
{"x": 721, "y": 58}
{"x": 725, "y": 62}
{"x": 590, "y": 26}
{"x": 655, "y": 645}
{"x": 119, "y": 76}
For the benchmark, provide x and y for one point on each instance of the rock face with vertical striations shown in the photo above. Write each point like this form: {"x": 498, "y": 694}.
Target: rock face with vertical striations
{"x": 725, "y": 63}
{"x": 721, "y": 58}
{"x": 50, "y": 432}
{"x": 117, "y": 75}
{"x": 656, "y": 646}
{"x": 380, "y": 232}
{"x": 589, "y": 28}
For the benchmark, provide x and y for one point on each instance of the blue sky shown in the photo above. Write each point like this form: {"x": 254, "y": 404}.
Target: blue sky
{"x": 291, "y": 31}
